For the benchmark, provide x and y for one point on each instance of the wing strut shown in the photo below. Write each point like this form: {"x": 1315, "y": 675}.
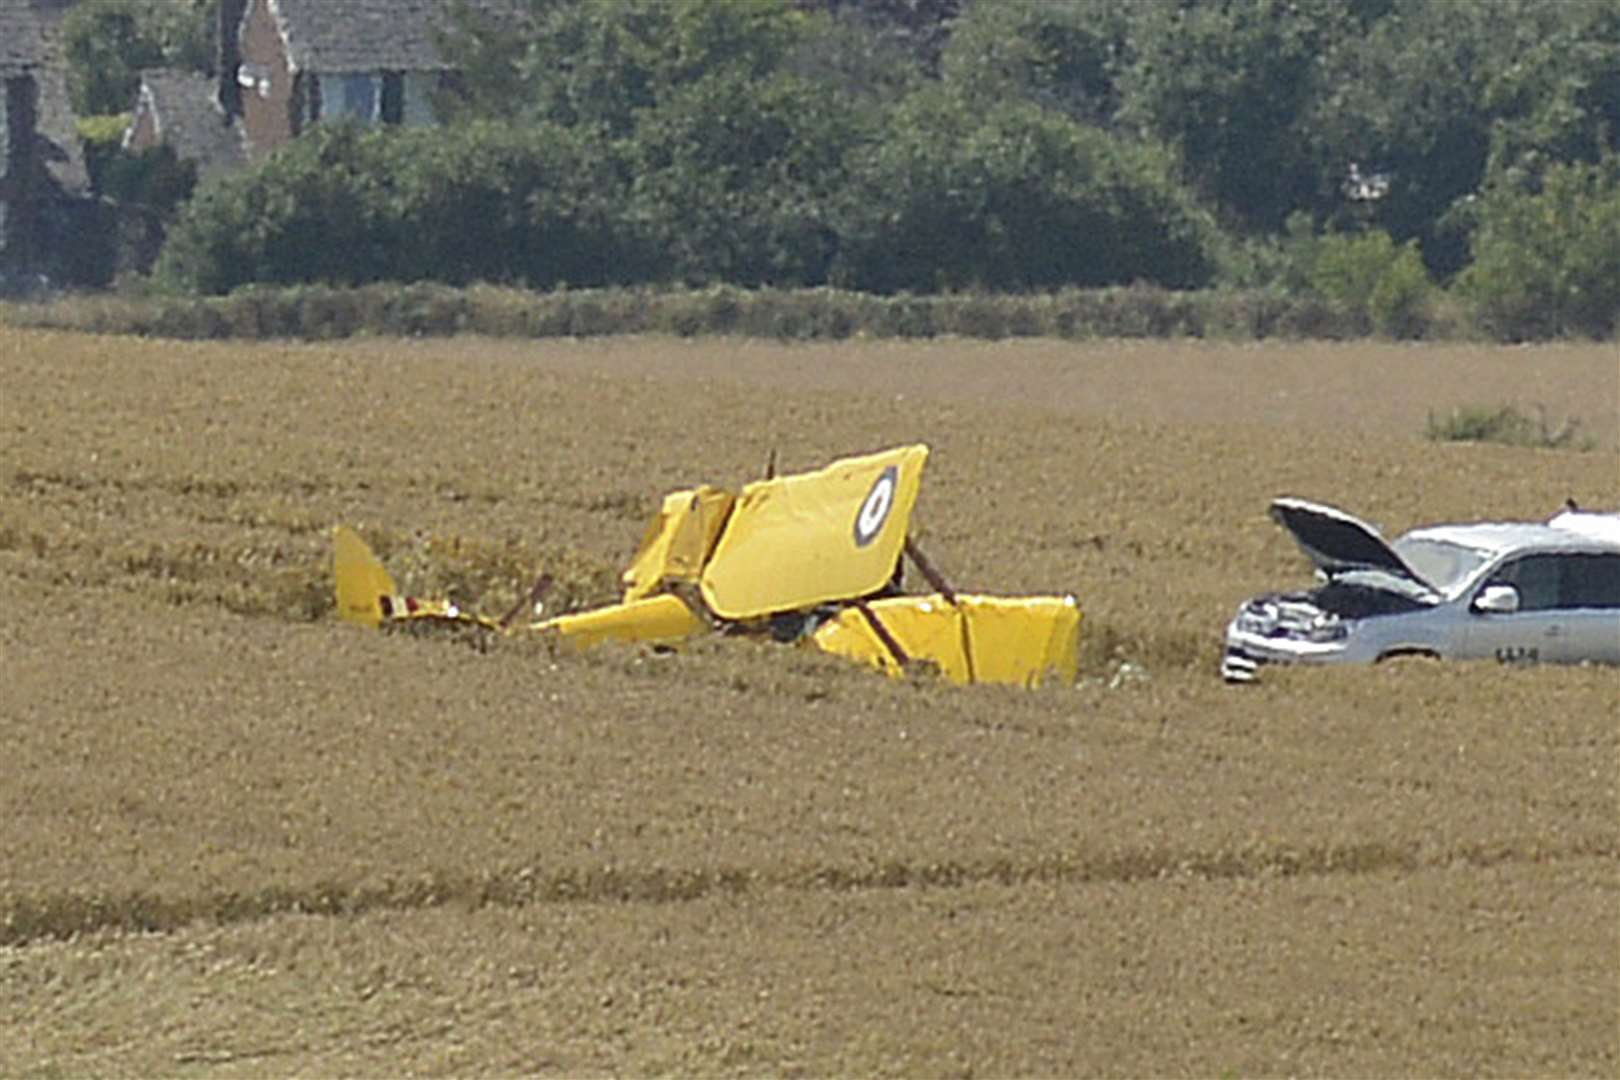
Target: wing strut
{"x": 935, "y": 578}
{"x": 529, "y": 600}
{"x": 943, "y": 587}
{"x": 882, "y": 632}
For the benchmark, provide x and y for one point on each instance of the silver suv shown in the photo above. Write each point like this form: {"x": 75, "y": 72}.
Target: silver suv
{"x": 1520, "y": 591}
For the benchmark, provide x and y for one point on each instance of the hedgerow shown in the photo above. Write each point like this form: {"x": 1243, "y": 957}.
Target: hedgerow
{"x": 323, "y": 312}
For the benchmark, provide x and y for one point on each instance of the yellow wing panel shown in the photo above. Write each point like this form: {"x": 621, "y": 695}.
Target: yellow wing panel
{"x": 797, "y": 541}
{"x": 925, "y": 628}
{"x": 655, "y": 620}
{"x": 1023, "y": 639}
{"x": 678, "y": 540}
{"x": 848, "y": 636}
{"x": 1016, "y": 640}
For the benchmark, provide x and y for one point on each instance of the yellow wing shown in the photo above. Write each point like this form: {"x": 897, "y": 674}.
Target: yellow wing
{"x": 653, "y": 620}
{"x": 1023, "y": 639}
{"x": 1013, "y": 639}
{"x": 797, "y": 541}
{"x": 678, "y": 540}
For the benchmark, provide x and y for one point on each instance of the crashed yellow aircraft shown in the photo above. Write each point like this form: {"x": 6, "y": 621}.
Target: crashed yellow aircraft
{"x": 812, "y": 558}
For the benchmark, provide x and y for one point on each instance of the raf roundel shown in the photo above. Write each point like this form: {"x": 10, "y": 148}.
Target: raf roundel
{"x": 875, "y": 507}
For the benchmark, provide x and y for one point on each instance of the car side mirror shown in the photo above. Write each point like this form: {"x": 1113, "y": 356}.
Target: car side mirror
{"x": 1497, "y": 600}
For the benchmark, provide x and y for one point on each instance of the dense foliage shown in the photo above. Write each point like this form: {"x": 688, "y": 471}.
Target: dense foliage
{"x": 108, "y": 43}
{"x": 1378, "y": 155}
{"x": 1013, "y": 200}
{"x": 1547, "y": 263}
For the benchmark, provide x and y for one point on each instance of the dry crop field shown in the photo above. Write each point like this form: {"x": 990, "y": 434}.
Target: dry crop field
{"x": 239, "y": 838}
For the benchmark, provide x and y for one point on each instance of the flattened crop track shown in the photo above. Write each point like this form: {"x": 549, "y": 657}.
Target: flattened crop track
{"x": 24, "y": 918}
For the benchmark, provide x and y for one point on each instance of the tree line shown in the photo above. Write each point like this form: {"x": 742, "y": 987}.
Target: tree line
{"x": 1390, "y": 154}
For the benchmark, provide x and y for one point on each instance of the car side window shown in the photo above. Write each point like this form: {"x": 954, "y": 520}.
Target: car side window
{"x": 1536, "y": 578}
{"x": 1590, "y": 581}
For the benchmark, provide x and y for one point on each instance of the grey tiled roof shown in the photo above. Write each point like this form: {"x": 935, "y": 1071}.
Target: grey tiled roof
{"x": 28, "y": 46}
{"x": 22, "y": 40}
{"x": 370, "y": 35}
{"x": 191, "y": 121}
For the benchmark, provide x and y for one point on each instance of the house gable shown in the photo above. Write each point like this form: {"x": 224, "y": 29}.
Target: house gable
{"x": 179, "y": 109}
{"x": 265, "y": 80}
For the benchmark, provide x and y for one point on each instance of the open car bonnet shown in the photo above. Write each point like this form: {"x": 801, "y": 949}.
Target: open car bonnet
{"x": 1337, "y": 542}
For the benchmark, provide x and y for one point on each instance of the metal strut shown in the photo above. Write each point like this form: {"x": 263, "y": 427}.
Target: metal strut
{"x": 935, "y": 578}
{"x": 527, "y": 601}
{"x": 943, "y": 587}
{"x": 882, "y": 632}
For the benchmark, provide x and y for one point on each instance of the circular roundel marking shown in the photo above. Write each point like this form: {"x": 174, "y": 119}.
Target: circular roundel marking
{"x": 876, "y": 506}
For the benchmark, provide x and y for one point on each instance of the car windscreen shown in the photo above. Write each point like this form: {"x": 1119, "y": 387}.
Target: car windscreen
{"x": 1443, "y": 565}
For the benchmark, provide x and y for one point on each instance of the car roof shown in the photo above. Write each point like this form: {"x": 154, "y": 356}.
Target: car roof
{"x": 1604, "y": 527}
{"x": 1572, "y": 531}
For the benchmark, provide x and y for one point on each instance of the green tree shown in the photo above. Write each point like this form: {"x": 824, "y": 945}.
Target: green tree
{"x": 735, "y": 178}
{"x": 915, "y": 29}
{"x": 538, "y": 204}
{"x": 1372, "y": 277}
{"x": 1064, "y": 54}
{"x": 1229, "y": 85}
{"x": 107, "y": 43}
{"x": 597, "y": 64}
{"x": 1547, "y": 264}
{"x": 1441, "y": 96}
{"x": 855, "y": 57}
{"x": 1554, "y": 96}
{"x": 316, "y": 211}
{"x": 1399, "y": 304}
{"x": 952, "y": 195}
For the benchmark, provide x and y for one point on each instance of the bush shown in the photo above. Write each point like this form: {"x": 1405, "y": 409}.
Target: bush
{"x": 735, "y": 178}
{"x": 342, "y": 206}
{"x": 1346, "y": 268}
{"x": 1547, "y": 264}
{"x": 957, "y": 197}
{"x": 1399, "y": 304}
{"x": 1506, "y": 425}
{"x": 322, "y": 312}
{"x": 1378, "y": 285}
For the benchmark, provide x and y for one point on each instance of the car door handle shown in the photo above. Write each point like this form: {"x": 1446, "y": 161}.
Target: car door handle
{"x": 1555, "y": 631}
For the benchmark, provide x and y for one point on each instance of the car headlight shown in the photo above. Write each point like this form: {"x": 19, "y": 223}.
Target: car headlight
{"x": 1256, "y": 619}
{"x": 1325, "y": 631}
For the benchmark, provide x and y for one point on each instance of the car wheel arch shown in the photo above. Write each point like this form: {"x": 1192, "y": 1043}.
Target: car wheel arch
{"x": 1408, "y": 652}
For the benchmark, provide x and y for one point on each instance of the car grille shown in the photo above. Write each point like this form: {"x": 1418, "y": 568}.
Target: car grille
{"x": 1238, "y": 666}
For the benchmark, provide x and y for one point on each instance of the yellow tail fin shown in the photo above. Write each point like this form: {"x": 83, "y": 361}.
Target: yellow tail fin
{"x": 362, "y": 582}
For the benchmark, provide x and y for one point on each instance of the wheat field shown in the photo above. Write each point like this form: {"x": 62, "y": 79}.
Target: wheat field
{"x": 240, "y": 838}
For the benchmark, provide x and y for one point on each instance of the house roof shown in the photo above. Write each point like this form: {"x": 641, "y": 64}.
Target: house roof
{"x": 189, "y": 119}
{"x": 22, "y": 37}
{"x": 28, "y": 46}
{"x": 370, "y": 35}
